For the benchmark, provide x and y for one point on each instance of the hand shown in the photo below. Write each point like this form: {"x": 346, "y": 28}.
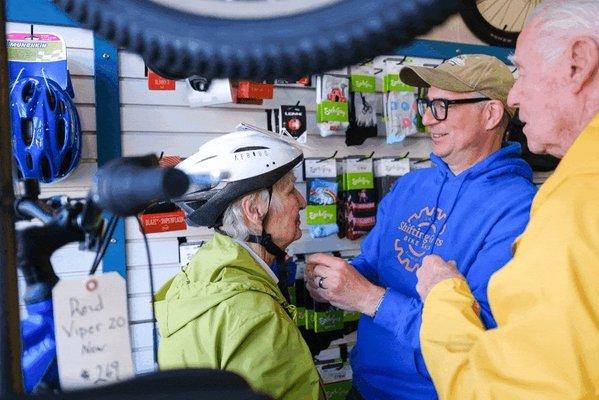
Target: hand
{"x": 340, "y": 284}
{"x": 434, "y": 270}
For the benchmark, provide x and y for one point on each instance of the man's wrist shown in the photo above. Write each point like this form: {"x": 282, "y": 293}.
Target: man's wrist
{"x": 378, "y": 304}
{"x": 374, "y": 301}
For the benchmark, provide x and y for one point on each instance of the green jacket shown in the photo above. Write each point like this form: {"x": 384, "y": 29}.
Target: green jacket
{"x": 224, "y": 311}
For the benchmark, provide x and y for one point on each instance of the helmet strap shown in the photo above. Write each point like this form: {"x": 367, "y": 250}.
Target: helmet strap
{"x": 265, "y": 240}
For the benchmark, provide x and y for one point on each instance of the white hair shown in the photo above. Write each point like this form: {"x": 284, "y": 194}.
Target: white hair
{"x": 234, "y": 224}
{"x": 560, "y": 20}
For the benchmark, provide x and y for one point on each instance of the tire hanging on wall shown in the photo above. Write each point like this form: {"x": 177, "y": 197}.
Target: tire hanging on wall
{"x": 325, "y": 37}
{"x": 479, "y": 21}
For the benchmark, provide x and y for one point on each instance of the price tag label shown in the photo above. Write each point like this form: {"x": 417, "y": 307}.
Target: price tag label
{"x": 391, "y": 167}
{"x": 157, "y": 82}
{"x": 320, "y": 168}
{"x": 187, "y": 251}
{"x": 357, "y": 164}
{"x": 92, "y": 331}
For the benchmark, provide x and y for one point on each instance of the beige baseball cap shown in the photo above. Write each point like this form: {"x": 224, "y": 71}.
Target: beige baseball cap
{"x": 465, "y": 73}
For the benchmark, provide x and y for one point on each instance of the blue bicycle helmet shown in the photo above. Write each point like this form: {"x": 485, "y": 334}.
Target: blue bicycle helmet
{"x": 45, "y": 128}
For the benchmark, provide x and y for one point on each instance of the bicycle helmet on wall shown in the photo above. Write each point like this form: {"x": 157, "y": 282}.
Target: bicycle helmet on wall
{"x": 46, "y": 129}
{"x": 254, "y": 160}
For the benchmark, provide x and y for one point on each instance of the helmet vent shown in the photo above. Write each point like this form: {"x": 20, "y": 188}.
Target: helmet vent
{"x": 60, "y": 133}
{"x": 249, "y": 148}
{"x": 51, "y": 99}
{"x": 46, "y": 171}
{"x": 66, "y": 162}
{"x": 61, "y": 107}
{"x": 27, "y": 92}
{"x": 27, "y": 130}
{"x": 204, "y": 159}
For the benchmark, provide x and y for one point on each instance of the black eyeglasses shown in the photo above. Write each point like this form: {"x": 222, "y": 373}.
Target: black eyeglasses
{"x": 439, "y": 106}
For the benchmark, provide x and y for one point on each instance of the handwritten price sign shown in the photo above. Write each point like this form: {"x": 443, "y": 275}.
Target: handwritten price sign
{"x": 92, "y": 331}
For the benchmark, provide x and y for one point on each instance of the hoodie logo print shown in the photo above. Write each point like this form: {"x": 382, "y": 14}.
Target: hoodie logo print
{"x": 418, "y": 234}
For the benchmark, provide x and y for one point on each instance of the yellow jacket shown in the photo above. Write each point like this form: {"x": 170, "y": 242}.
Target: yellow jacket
{"x": 545, "y": 301}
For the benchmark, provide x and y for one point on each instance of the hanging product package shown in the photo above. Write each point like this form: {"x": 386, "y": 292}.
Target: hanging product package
{"x": 362, "y": 113}
{"x": 292, "y": 120}
{"x": 387, "y": 171}
{"x": 399, "y": 105}
{"x": 200, "y": 94}
{"x": 298, "y": 292}
{"x": 248, "y": 92}
{"x": 286, "y": 274}
{"x": 46, "y": 129}
{"x": 321, "y": 187}
{"x": 332, "y": 112}
{"x": 358, "y": 197}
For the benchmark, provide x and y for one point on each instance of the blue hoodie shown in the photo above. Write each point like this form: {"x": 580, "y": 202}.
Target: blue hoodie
{"x": 471, "y": 218}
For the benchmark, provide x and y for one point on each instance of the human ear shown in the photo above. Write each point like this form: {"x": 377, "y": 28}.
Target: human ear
{"x": 583, "y": 57}
{"x": 494, "y": 113}
{"x": 252, "y": 213}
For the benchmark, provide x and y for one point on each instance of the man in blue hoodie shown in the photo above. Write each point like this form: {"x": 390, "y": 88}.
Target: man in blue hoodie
{"x": 469, "y": 209}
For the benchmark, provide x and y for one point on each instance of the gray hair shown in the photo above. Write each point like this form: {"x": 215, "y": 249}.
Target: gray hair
{"x": 560, "y": 20}
{"x": 234, "y": 224}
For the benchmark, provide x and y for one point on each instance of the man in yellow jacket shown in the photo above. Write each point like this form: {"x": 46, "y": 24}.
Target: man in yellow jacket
{"x": 546, "y": 299}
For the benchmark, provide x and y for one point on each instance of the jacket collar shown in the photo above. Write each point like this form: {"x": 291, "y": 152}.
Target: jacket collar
{"x": 258, "y": 260}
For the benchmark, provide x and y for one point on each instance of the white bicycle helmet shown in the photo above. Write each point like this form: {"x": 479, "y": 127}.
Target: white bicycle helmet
{"x": 252, "y": 159}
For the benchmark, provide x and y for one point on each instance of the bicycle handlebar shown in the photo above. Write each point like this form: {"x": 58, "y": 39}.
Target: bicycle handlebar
{"x": 126, "y": 186}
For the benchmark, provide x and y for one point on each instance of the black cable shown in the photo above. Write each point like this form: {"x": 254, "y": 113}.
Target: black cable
{"x": 104, "y": 243}
{"x": 154, "y": 330}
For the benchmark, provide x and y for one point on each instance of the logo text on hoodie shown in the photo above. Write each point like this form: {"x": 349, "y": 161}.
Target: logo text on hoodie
{"x": 418, "y": 234}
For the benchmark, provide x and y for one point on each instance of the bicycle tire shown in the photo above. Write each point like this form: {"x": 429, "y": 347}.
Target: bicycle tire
{"x": 485, "y": 31}
{"x": 179, "y": 44}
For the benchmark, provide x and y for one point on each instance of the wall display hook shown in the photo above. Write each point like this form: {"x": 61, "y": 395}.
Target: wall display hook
{"x": 366, "y": 157}
{"x": 328, "y": 158}
{"x": 402, "y": 157}
{"x": 399, "y": 60}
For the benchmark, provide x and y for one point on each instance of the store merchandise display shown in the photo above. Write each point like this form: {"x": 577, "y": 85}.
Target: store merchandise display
{"x": 362, "y": 104}
{"x": 46, "y": 130}
{"x": 399, "y": 104}
{"x": 321, "y": 196}
{"x": 332, "y": 113}
{"x": 357, "y": 212}
{"x": 387, "y": 171}
{"x": 292, "y": 120}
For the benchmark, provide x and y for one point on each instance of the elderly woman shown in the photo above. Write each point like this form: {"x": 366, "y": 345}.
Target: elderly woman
{"x": 225, "y": 309}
